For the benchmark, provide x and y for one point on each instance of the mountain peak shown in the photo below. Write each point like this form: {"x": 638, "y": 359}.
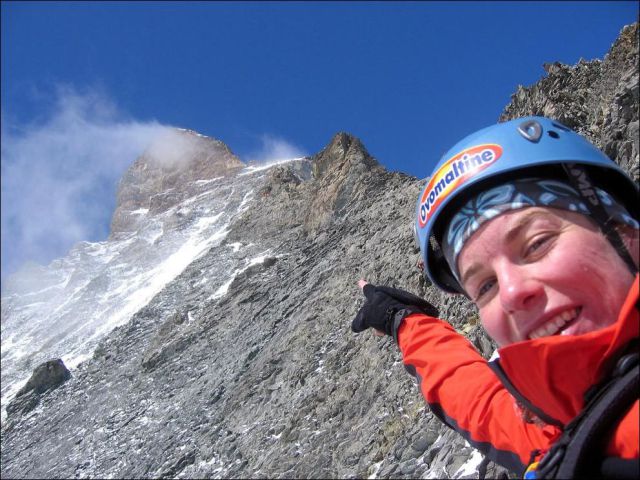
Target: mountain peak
{"x": 344, "y": 150}
{"x": 190, "y": 151}
{"x": 166, "y": 172}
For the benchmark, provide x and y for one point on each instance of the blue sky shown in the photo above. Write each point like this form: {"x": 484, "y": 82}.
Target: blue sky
{"x": 86, "y": 84}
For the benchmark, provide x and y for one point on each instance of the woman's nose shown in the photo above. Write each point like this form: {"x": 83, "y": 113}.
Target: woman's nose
{"x": 518, "y": 289}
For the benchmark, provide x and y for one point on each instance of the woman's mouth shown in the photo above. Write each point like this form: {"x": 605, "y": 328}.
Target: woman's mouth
{"x": 556, "y": 325}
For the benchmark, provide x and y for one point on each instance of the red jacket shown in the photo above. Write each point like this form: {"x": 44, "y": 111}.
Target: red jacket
{"x": 550, "y": 375}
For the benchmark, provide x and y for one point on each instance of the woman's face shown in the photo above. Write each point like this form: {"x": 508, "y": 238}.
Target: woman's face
{"x": 538, "y": 271}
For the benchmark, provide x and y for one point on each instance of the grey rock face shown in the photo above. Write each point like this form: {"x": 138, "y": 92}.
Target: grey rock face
{"x": 244, "y": 364}
{"x": 64, "y": 309}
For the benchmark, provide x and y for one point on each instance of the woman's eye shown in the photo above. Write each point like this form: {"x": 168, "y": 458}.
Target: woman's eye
{"x": 484, "y": 288}
{"x": 536, "y": 245}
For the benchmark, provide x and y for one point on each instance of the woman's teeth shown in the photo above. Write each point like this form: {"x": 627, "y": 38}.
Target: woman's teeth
{"x": 556, "y": 324}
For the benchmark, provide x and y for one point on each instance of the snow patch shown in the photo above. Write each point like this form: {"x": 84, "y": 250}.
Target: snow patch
{"x": 236, "y": 246}
{"x": 193, "y": 199}
{"x": 72, "y": 361}
{"x": 376, "y": 468}
{"x": 206, "y": 222}
{"x": 152, "y": 235}
{"x": 252, "y": 169}
{"x": 204, "y": 182}
{"x": 470, "y": 466}
{"x": 224, "y": 288}
{"x": 257, "y": 260}
{"x": 98, "y": 249}
{"x": 150, "y": 283}
{"x": 245, "y": 200}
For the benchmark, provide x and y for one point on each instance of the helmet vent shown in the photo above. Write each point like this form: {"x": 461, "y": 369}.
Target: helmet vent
{"x": 553, "y": 134}
{"x": 531, "y": 130}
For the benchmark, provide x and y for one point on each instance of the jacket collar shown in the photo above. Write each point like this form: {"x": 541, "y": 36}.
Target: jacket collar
{"x": 552, "y": 374}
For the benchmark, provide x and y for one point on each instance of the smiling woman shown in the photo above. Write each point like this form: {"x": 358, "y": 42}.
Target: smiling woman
{"x": 532, "y": 281}
{"x": 550, "y": 258}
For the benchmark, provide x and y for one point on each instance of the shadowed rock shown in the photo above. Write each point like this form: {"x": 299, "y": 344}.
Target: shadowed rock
{"x": 46, "y": 376}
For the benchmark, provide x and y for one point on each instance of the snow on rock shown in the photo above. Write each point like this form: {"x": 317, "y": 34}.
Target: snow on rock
{"x": 99, "y": 286}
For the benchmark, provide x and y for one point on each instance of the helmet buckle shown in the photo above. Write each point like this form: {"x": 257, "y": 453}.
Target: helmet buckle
{"x": 531, "y": 130}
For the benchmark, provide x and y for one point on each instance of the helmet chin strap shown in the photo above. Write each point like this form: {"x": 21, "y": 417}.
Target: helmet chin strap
{"x": 579, "y": 178}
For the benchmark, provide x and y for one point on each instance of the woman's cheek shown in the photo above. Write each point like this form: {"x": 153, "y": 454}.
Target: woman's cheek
{"x": 495, "y": 325}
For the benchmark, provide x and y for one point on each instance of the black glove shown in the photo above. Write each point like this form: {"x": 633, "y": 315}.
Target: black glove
{"x": 385, "y": 308}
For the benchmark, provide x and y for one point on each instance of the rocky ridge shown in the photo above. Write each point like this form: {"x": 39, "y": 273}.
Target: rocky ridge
{"x": 267, "y": 380}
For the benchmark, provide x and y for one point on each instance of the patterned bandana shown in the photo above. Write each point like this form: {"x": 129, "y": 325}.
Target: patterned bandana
{"x": 517, "y": 194}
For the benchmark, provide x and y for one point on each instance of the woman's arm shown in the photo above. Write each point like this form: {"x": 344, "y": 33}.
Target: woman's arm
{"x": 464, "y": 393}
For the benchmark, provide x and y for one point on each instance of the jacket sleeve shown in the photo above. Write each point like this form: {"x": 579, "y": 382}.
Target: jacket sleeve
{"x": 462, "y": 390}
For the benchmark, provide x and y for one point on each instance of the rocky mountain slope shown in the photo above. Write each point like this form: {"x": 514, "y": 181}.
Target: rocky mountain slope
{"x": 244, "y": 365}
{"x": 598, "y": 99}
{"x": 160, "y": 227}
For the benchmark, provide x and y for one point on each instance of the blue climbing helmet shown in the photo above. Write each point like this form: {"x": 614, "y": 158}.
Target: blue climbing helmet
{"x": 510, "y": 150}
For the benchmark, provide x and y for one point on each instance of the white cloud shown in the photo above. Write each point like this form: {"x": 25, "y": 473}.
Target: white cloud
{"x": 59, "y": 175}
{"x": 275, "y": 149}
{"x": 171, "y": 147}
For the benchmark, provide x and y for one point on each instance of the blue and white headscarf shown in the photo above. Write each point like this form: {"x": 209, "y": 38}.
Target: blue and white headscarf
{"x": 514, "y": 195}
